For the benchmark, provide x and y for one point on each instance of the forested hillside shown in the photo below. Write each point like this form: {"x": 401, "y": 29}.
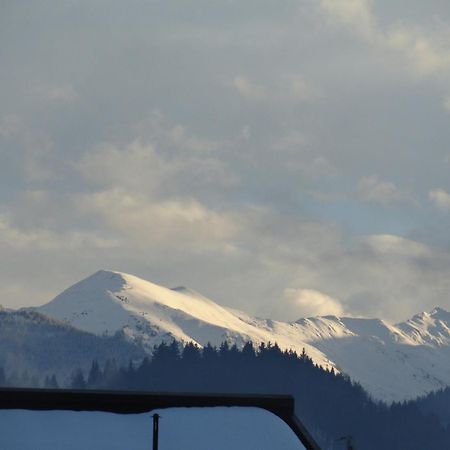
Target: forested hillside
{"x": 33, "y": 346}
{"x": 328, "y": 403}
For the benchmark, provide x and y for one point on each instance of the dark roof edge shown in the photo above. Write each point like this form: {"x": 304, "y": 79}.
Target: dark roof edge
{"x": 131, "y": 402}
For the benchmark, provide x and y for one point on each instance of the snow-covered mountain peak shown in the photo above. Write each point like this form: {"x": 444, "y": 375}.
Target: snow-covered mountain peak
{"x": 109, "y": 301}
{"x": 113, "y": 286}
{"x": 102, "y": 280}
{"x": 104, "y": 301}
{"x": 437, "y": 313}
{"x": 187, "y": 291}
{"x": 393, "y": 362}
{"x": 431, "y": 328}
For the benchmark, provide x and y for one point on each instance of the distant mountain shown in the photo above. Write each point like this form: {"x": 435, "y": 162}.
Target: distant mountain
{"x": 148, "y": 314}
{"x": 39, "y": 345}
{"x": 392, "y": 362}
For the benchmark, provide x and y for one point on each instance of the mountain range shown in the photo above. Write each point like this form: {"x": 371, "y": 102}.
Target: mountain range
{"x": 393, "y": 362}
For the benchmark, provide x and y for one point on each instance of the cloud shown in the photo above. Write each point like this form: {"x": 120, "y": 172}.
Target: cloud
{"x": 249, "y": 89}
{"x": 22, "y": 239}
{"x": 307, "y": 303}
{"x": 165, "y": 161}
{"x": 376, "y": 275}
{"x": 27, "y": 149}
{"x": 356, "y": 14}
{"x": 177, "y": 224}
{"x": 135, "y": 165}
{"x": 446, "y": 103}
{"x": 141, "y": 165}
{"x": 425, "y": 49}
{"x": 287, "y": 89}
{"x": 440, "y": 198}
{"x": 63, "y": 94}
{"x": 387, "y": 244}
{"x": 386, "y": 193}
{"x": 173, "y": 137}
{"x": 304, "y": 90}
{"x": 295, "y": 153}
{"x": 10, "y": 125}
{"x": 380, "y": 275}
{"x": 193, "y": 150}
{"x": 40, "y": 262}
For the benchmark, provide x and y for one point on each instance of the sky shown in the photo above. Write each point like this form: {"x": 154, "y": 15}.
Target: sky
{"x": 283, "y": 157}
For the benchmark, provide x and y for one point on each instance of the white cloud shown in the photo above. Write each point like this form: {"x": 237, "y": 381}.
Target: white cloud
{"x": 309, "y": 302}
{"x": 181, "y": 138}
{"x": 158, "y": 129}
{"x": 440, "y": 198}
{"x": 386, "y": 276}
{"x": 170, "y": 163}
{"x": 249, "y": 89}
{"x": 62, "y": 94}
{"x": 293, "y": 141}
{"x": 21, "y": 239}
{"x": 426, "y": 50}
{"x": 303, "y": 90}
{"x": 386, "y": 193}
{"x": 173, "y": 223}
{"x": 356, "y": 14}
{"x": 393, "y": 245}
{"x": 422, "y": 48}
{"x": 136, "y": 165}
{"x": 446, "y": 103}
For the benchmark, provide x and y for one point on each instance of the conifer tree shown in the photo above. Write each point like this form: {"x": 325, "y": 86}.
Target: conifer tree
{"x": 95, "y": 375}
{"x": 77, "y": 380}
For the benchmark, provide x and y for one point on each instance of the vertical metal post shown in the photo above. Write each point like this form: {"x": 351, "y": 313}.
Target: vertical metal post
{"x": 155, "y": 431}
{"x": 349, "y": 442}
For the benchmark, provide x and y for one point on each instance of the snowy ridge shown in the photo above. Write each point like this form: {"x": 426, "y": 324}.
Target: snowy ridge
{"x": 392, "y": 362}
{"x": 148, "y": 313}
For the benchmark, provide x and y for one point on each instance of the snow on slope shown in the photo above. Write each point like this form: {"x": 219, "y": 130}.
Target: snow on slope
{"x": 393, "y": 362}
{"x": 148, "y": 313}
{"x": 388, "y": 362}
